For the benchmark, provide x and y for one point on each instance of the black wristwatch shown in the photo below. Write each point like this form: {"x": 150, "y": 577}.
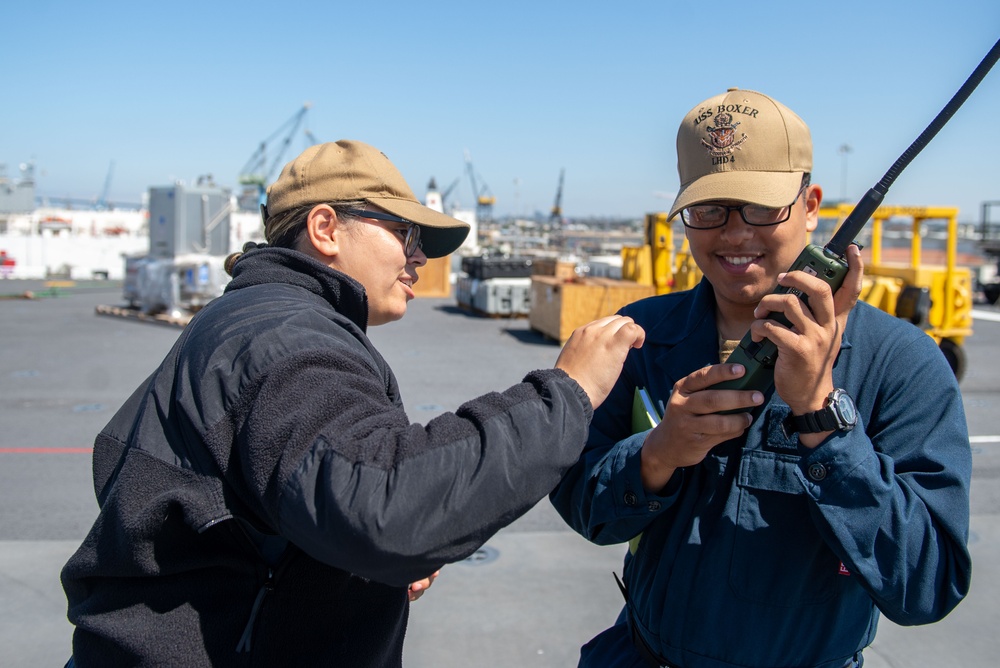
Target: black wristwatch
{"x": 839, "y": 414}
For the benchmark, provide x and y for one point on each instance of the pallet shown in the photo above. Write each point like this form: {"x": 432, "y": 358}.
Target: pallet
{"x": 129, "y": 313}
{"x": 468, "y": 308}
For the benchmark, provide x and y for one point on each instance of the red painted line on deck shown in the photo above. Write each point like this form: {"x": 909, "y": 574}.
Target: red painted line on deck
{"x": 46, "y": 451}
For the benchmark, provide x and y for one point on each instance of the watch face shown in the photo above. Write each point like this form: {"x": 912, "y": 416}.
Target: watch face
{"x": 845, "y": 407}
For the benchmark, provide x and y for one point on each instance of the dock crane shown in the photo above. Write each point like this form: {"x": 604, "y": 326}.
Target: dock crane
{"x": 102, "y": 199}
{"x": 556, "y": 216}
{"x": 484, "y": 198}
{"x": 447, "y": 191}
{"x": 259, "y": 170}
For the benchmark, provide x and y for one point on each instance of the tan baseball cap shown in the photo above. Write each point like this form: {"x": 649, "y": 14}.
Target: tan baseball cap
{"x": 351, "y": 170}
{"x": 741, "y": 146}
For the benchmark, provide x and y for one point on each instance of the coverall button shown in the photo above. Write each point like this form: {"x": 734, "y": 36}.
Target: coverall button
{"x": 817, "y": 472}
{"x": 631, "y": 499}
{"x": 653, "y": 506}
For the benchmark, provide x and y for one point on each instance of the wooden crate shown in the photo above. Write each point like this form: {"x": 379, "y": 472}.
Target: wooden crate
{"x": 434, "y": 278}
{"x": 559, "y": 306}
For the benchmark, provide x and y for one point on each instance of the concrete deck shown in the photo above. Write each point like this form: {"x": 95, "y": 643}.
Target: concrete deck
{"x": 530, "y": 598}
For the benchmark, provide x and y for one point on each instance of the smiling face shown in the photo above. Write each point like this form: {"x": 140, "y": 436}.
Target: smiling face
{"x": 742, "y": 261}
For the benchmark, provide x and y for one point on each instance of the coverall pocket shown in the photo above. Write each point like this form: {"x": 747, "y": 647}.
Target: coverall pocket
{"x": 778, "y": 557}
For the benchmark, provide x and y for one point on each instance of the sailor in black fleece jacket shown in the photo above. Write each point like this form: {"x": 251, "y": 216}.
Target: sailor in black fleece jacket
{"x": 264, "y": 498}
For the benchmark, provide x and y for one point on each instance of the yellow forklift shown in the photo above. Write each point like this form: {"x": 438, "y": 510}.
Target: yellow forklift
{"x": 660, "y": 261}
{"x": 937, "y": 297}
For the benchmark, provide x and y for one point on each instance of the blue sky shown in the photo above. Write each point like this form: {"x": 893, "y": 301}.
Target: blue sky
{"x": 170, "y": 91}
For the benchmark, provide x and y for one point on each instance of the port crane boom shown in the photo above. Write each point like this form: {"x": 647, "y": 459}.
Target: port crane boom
{"x": 481, "y": 192}
{"x": 259, "y": 170}
{"x": 556, "y": 216}
{"x": 447, "y": 191}
{"x": 102, "y": 199}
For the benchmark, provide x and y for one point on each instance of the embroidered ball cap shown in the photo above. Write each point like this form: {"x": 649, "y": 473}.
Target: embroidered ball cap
{"x": 741, "y": 146}
{"x": 351, "y": 170}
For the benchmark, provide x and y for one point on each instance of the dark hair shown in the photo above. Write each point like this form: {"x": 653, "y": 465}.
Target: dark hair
{"x": 233, "y": 257}
{"x": 285, "y": 229}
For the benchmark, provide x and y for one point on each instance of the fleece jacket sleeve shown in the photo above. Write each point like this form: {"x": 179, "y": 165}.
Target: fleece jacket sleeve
{"x": 334, "y": 465}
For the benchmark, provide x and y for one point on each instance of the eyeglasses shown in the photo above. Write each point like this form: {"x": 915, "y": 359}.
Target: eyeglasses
{"x": 710, "y": 216}
{"x": 411, "y": 242}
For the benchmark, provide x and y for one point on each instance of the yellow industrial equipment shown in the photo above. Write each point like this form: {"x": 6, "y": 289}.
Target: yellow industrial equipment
{"x": 660, "y": 262}
{"x": 933, "y": 296}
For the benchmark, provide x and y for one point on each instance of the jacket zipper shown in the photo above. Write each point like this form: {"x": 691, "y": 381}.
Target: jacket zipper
{"x": 244, "y": 644}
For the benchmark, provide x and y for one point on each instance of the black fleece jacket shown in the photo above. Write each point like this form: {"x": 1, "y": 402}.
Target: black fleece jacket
{"x": 264, "y": 499}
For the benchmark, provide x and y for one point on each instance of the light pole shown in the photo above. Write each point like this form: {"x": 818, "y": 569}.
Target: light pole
{"x": 843, "y": 150}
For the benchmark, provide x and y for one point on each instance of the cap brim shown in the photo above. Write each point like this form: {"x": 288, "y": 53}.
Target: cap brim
{"x": 765, "y": 188}
{"x": 440, "y": 234}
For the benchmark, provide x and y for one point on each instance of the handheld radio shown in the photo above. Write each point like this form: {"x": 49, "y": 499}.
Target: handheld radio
{"x": 829, "y": 262}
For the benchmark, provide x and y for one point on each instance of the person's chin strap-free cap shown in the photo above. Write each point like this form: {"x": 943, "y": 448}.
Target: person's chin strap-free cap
{"x": 741, "y": 146}
{"x": 351, "y": 170}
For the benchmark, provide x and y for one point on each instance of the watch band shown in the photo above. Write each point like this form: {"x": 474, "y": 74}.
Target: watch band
{"x": 812, "y": 423}
{"x": 838, "y": 414}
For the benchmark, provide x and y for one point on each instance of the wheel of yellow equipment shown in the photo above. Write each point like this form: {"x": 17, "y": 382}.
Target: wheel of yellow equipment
{"x": 955, "y": 354}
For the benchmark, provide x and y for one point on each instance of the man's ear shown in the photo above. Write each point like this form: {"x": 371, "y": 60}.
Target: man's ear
{"x": 814, "y": 197}
{"x": 324, "y": 230}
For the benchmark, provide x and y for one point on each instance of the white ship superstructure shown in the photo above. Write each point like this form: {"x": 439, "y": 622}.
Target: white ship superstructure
{"x": 82, "y": 244}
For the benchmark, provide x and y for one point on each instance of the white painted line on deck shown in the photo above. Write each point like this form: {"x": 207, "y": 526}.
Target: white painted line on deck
{"x": 984, "y": 439}
{"x": 978, "y": 314}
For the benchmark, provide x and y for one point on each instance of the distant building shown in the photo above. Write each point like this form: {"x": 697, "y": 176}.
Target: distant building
{"x": 17, "y": 196}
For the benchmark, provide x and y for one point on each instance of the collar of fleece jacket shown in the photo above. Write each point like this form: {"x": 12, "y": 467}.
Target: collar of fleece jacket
{"x": 282, "y": 265}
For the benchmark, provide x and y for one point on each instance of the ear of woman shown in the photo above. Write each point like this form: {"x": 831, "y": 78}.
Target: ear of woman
{"x": 323, "y": 230}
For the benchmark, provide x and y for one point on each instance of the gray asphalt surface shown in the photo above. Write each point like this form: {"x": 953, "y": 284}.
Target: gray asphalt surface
{"x": 531, "y": 597}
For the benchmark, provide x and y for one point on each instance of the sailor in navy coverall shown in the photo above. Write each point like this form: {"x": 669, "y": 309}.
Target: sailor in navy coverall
{"x": 755, "y": 540}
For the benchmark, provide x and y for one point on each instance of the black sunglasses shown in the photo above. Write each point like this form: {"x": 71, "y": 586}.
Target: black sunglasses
{"x": 412, "y": 240}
